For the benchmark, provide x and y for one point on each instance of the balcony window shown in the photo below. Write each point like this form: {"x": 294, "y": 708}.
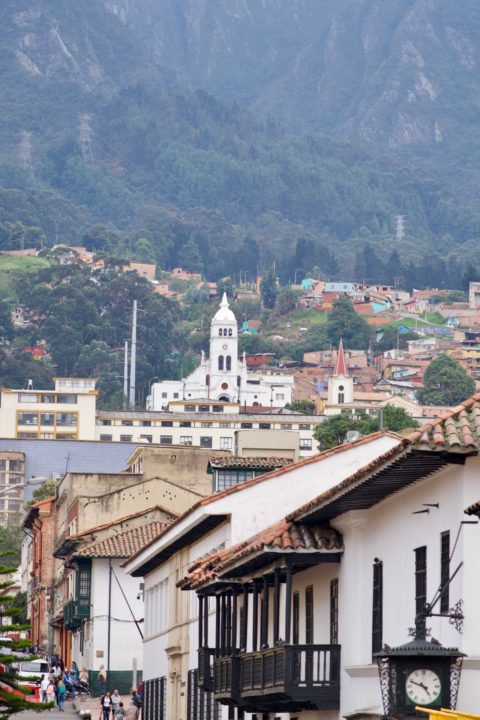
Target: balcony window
{"x": 25, "y": 418}
{"x": 27, "y": 398}
{"x": 47, "y": 419}
{"x": 47, "y": 398}
{"x": 66, "y": 419}
{"x": 65, "y": 399}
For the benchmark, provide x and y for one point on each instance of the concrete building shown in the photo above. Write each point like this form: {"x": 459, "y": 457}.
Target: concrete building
{"x": 65, "y": 413}
{"x": 223, "y": 375}
{"x": 12, "y": 486}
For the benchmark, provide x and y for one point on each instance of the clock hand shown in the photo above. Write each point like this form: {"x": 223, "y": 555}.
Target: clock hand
{"x": 424, "y": 687}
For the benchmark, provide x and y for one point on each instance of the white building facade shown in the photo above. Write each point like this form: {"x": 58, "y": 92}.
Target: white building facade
{"x": 223, "y": 375}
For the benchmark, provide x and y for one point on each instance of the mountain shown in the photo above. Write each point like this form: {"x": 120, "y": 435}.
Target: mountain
{"x": 115, "y": 137}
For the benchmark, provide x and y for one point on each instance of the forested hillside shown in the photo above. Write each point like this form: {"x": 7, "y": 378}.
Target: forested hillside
{"x": 204, "y": 183}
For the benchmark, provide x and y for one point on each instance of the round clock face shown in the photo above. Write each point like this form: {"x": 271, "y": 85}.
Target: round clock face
{"x": 423, "y": 686}
{"x": 225, "y": 347}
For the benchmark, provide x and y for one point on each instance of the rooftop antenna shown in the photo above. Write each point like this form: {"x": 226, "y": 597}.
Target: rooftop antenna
{"x": 133, "y": 356}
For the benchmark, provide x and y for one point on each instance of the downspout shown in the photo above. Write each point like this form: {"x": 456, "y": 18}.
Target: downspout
{"x": 109, "y": 626}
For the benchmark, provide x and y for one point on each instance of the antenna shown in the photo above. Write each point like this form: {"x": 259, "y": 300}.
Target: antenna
{"x": 400, "y": 228}
{"x": 133, "y": 356}
{"x": 86, "y": 138}
{"x": 25, "y": 151}
{"x": 125, "y": 376}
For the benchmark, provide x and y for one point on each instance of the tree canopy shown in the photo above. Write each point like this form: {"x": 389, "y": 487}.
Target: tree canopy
{"x": 445, "y": 383}
{"x": 345, "y": 324}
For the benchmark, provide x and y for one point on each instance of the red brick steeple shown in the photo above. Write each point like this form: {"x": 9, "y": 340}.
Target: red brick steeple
{"x": 341, "y": 365}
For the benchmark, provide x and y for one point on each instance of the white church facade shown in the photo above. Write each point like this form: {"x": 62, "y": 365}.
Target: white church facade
{"x": 223, "y": 376}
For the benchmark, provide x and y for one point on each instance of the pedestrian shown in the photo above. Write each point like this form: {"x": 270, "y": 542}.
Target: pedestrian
{"x": 61, "y": 691}
{"x": 116, "y": 700}
{"x": 51, "y": 692}
{"x": 106, "y": 704}
{"x": 102, "y": 680}
{"x": 120, "y": 712}
{"x": 135, "y": 699}
{"x": 43, "y": 688}
{"x": 132, "y": 711}
{"x": 74, "y": 671}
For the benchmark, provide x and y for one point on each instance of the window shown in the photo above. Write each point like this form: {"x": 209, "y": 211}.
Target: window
{"x": 224, "y": 425}
{"x": 27, "y": 435}
{"x": 220, "y": 332}
{"x": 189, "y": 408}
{"x": 27, "y": 398}
{"x": 377, "y": 607}
{"x": 279, "y": 396}
{"x": 166, "y": 423}
{"x": 47, "y": 399}
{"x": 127, "y": 423}
{"x": 14, "y": 479}
{"x": 206, "y": 424}
{"x": 47, "y": 419}
{"x": 146, "y": 423}
{"x": 61, "y": 436}
{"x": 25, "y": 418}
{"x": 185, "y": 439}
{"x": 230, "y": 332}
{"x": 175, "y": 396}
{"x": 285, "y": 426}
{"x": 296, "y": 618}
{"x": 156, "y": 608}
{"x": 420, "y": 579}
{"x": 334, "y": 612}
{"x": 305, "y": 444}
{"x": 164, "y": 395}
{"x": 217, "y": 408}
{"x": 264, "y": 426}
{"x": 228, "y": 478}
{"x": 203, "y": 408}
{"x": 444, "y": 571}
{"x": 341, "y": 398}
{"x": 66, "y": 419}
{"x": 166, "y": 440}
{"x": 148, "y": 438}
{"x": 220, "y": 362}
{"x": 309, "y": 615}
{"x": 206, "y": 441}
{"x": 105, "y": 422}
{"x": 304, "y": 426}
{"x": 185, "y": 423}
{"x": 16, "y": 466}
{"x": 3, "y": 464}
{"x": 228, "y": 362}
{"x": 125, "y": 438}
{"x": 225, "y": 443}
{"x": 67, "y": 399}
{"x": 246, "y": 426}
{"x": 14, "y": 505}
{"x": 106, "y": 438}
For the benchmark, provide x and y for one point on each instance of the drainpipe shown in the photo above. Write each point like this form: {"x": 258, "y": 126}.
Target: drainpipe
{"x": 109, "y": 616}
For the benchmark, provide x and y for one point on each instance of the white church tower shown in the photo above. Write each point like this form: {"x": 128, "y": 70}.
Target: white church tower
{"x": 224, "y": 365}
{"x": 340, "y": 385}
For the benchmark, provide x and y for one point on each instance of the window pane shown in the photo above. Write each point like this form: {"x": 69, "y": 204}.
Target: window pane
{"x": 165, "y": 439}
{"x": 66, "y": 419}
{"x": 67, "y": 399}
{"x": 27, "y": 418}
{"x": 47, "y": 419}
{"x": 27, "y": 398}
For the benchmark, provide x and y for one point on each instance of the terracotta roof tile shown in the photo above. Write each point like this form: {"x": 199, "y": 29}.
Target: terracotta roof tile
{"x": 284, "y": 535}
{"x": 254, "y": 463}
{"x": 123, "y": 545}
{"x": 457, "y": 430}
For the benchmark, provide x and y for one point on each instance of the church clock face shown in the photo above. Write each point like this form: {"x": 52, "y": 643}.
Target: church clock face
{"x": 423, "y": 687}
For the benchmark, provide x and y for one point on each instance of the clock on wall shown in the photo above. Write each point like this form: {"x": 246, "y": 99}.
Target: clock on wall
{"x": 421, "y": 672}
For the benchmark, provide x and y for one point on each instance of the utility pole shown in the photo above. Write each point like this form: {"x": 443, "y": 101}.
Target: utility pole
{"x": 25, "y": 151}
{"x": 133, "y": 356}
{"x": 400, "y": 228}
{"x": 86, "y": 138}
{"x": 125, "y": 376}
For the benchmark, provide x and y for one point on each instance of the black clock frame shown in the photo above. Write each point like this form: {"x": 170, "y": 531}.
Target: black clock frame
{"x": 395, "y": 665}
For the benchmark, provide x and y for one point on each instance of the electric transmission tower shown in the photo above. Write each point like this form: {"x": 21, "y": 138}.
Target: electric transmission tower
{"x": 400, "y": 228}
{"x": 25, "y": 151}
{"x": 86, "y": 138}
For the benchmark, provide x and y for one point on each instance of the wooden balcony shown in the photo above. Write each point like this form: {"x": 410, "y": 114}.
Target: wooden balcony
{"x": 226, "y": 680}
{"x": 205, "y": 668}
{"x": 291, "y": 678}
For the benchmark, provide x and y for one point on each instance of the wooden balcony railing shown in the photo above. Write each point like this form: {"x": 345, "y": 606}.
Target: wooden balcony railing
{"x": 226, "y": 679}
{"x": 205, "y": 668}
{"x": 291, "y": 677}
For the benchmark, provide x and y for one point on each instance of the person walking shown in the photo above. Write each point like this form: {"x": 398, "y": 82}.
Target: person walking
{"x": 116, "y": 700}
{"x": 51, "y": 692}
{"x": 61, "y": 692}
{"x": 106, "y": 703}
{"x": 102, "y": 679}
{"x": 43, "y": 688}
{"x": 119, "y": 712}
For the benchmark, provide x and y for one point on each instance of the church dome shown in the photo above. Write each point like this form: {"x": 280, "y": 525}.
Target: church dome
{"x": 224, "y": 314}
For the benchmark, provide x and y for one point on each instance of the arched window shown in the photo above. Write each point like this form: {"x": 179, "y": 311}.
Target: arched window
{"x": 230, "y": 332}
{"x": 341, "y": 398}
{"x": 225, "y": 332}
{"x": 229, "y": 362}
{"x": 220, "y": 332}
{"x": 220, "y": 362}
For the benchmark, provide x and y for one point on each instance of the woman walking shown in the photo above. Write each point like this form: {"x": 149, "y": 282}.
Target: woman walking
{"x": 61, "y": 692}
{"x": 106, "y": 703}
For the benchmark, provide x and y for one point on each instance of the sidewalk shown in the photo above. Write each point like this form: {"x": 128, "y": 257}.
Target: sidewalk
{"x": 55, "y": 714}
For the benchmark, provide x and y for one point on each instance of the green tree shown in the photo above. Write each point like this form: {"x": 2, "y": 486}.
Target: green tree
{"x": 46, "y": 490}
{"x": 306, "y": 407}
{"x": 470, "y": 275}
{"x": 268, "y": 289}
{"x": 144, "y": 251}
{"x": 333, "y": 431}
{"x": 286, "y": 301}
{"x": 445, "y": 383}
{"x": 190, "y": 258}
{"x": 345, "y": 324}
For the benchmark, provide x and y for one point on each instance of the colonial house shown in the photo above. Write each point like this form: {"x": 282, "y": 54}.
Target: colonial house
{"x": 222, "y": 520}
{"x": 360, "y": 602}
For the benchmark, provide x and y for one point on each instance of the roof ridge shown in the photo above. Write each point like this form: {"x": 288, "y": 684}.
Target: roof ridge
{"x": 123, "y": 519}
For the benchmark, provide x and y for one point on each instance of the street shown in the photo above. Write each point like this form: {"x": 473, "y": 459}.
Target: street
{"x": 56, "y": 714}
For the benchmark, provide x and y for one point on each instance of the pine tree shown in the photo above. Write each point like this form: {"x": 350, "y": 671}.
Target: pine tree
{"x": 14, "y": 697}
